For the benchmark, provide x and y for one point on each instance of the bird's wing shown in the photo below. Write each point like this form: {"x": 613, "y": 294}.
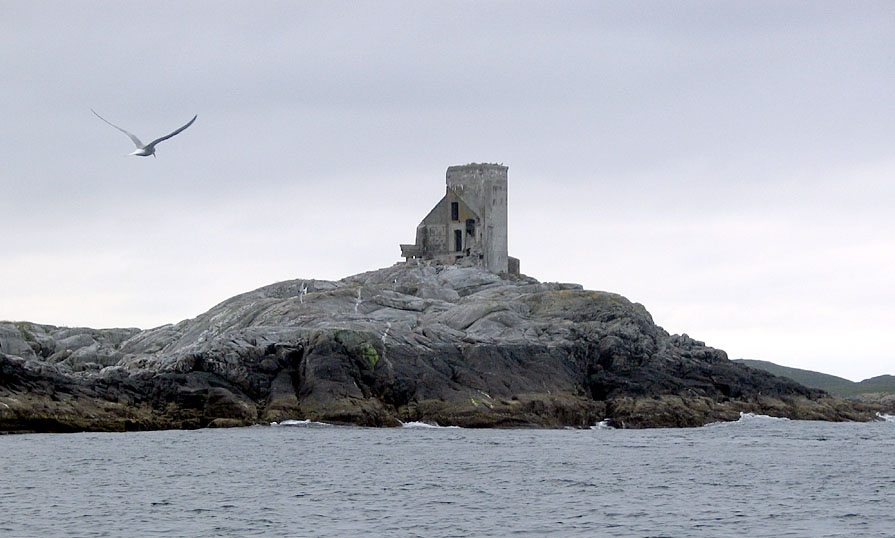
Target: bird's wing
{"x": 167, "y": 136}
{"x": 131, "y": 135}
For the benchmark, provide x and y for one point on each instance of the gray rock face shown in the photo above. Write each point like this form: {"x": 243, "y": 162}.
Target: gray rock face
{"x": 446, "y": 344}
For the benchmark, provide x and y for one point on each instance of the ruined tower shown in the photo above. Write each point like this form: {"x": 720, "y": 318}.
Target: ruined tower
{"x": 468, "y": 225}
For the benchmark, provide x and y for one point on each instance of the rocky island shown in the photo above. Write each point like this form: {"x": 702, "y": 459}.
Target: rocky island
{"x": 454, "y": 335}
{"x": 417, "y": 341}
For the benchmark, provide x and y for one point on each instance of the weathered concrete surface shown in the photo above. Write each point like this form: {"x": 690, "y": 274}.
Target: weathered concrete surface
{"x": 416, "y": 342}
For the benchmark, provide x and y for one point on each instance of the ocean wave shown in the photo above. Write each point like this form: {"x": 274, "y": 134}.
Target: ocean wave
{"x": 299, "y": 423}
{"x": 745, "y": 418}
{"x": 424, "y": 425}
{"x": 752, "y": 416}
{"x": 602, "y": 425}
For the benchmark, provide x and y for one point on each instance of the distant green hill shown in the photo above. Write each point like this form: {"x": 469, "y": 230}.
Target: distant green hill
{"x": 830, "y": 383}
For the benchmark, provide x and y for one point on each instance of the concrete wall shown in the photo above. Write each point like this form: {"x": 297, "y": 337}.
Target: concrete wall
{"x": 484, "y": 188}
{"x": 435, "y": 235}
{"x": 480, "y": 191}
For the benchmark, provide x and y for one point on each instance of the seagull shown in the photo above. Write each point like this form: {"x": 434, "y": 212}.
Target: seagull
{"x": 145, "y": 150}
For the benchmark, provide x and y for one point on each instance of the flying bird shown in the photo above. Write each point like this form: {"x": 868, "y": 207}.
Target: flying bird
{"x": 145, "y": 150}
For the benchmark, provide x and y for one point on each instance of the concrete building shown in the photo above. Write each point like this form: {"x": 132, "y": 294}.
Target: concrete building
{"x": 468, "y": 225}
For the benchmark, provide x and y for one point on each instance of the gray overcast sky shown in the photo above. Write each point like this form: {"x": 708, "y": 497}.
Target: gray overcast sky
{"x": 727, "y": 164}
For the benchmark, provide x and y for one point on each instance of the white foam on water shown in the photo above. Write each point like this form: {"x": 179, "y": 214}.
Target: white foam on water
{"x": 299, "y": 423}
{"x": 424, "y": 425}
{"x": 602, "y": 425}
{"x": 887, "y": 418}
{"x": 713, "y": 424}
{"x": 752, "y": 416}
{"x": 744, "y": 417}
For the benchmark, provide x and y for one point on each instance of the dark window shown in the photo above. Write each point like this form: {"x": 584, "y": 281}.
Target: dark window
{"x": 458, "y": 240}
{"x": 470, "y": 226}
{"x": 455, "y": 211}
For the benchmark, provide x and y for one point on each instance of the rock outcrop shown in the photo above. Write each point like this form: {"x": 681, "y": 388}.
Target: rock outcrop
{"x": 413, "y": 342}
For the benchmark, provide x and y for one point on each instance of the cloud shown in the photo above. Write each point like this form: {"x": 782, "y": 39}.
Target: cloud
{"x": 728, "y": 166}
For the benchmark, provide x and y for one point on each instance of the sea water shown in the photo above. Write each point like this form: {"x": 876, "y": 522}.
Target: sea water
{"x": 755, "y": 477}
